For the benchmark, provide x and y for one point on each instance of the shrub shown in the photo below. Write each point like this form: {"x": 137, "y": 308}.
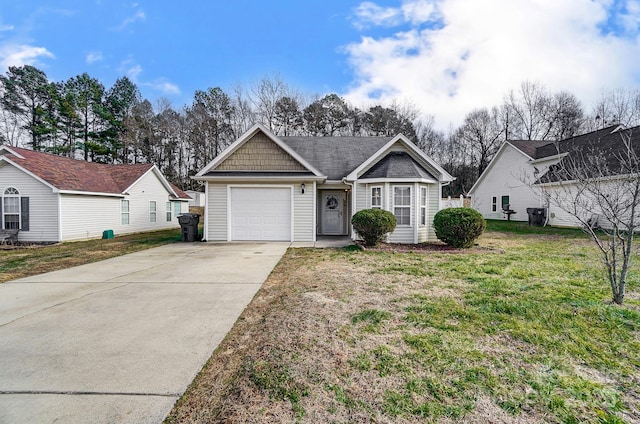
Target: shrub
{"x": 458, "y": 227}
{"x": 373, "y": 224}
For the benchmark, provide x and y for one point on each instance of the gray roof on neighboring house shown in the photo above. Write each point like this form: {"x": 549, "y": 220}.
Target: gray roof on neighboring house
{"x": 598, "y": 153}
{"x": 528, "y": 147}
{"x": 335, "y": 157}
{"x": 398, "y": 165}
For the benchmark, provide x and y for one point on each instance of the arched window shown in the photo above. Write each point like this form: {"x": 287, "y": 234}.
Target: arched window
{"x": 11, "y": 209}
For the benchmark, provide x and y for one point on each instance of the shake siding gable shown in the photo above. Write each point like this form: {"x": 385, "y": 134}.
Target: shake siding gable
{"x": 43, "y": 204}
{"x": 260, "y": 154}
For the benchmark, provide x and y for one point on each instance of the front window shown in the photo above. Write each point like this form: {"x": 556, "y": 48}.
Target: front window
{"x": 423, "y": 206}
{"x": 376, "y": 197}
{"x": 124, "y": 212}
{"x": 494, "y": 201}
{"x": 402, "y": 205}
{"x": 11, "y": 209}
{"x": 152, "y": 211}
{"x": 168, "y": 207}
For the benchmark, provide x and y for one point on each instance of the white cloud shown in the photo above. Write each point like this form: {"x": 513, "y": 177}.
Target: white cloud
{"x": 139, "y": 15}
{"x": 94, "y": 57}
{"x": 133, "y": 72}
{"x": 451, "y": 56}
{"x": 21, "y": 54}
{"x": 6, "y": 28}
{"x": 164, "y": 86}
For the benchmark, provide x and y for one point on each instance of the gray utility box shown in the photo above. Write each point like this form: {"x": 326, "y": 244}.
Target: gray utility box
{"x": 189, "y": 226}
{"x": 537, "y": 216}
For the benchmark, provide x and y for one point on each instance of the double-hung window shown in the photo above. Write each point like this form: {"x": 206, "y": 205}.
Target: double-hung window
{"x": 423, "y": 206}
{"x": 168, "y": 207}
{"x": 124, "y": 212}
{"x": 494, "y": 201}
{"x": 402, "y": 205}
{"x": 11, "y": 209}
{"x": 152, "y": 211}
{"x": 376, "y": 197}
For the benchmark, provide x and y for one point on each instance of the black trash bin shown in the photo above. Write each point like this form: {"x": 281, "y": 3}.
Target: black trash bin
{"x": 537, "y": 216}
{"x": 189, "y": 226}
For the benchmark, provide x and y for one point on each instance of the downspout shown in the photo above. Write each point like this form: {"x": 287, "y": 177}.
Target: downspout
{"x": 353, "y": 206}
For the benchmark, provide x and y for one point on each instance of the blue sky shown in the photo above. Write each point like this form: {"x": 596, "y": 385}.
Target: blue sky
{"x": 444, "y": 56}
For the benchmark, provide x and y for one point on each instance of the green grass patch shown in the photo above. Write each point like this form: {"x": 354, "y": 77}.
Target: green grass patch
{"x": 25, "y": 261}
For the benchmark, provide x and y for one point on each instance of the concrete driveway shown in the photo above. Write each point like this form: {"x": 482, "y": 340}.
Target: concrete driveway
{"x": 119, "y": 341}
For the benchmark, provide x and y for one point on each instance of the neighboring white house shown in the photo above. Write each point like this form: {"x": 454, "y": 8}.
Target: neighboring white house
{"x": 52, "y": 198}
{"x": 519, "y": 176}
{"x": 197, "y": 198}
{"x": 266, "y": 187}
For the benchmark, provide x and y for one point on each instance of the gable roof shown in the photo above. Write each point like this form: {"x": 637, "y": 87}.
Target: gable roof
{"x": 598, "y": 152}
{"x": 606, "y": 140}
{"x": 398, "y": 165}
{"x": 66, "y": 174}
{"x": 326, "y": 158}
{"x": 335, "y": 157}
{"x": 244, "y": 138}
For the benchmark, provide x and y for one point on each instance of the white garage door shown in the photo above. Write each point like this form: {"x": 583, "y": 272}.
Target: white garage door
{"x": 261, "y": 214}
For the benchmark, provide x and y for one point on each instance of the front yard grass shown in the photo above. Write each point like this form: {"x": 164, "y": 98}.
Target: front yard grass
{"x": 521, "y": 332}
{"x": 25, "y": 261}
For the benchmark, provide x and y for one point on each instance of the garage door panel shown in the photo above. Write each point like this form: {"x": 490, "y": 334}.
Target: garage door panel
{"x": 261, "y": 213}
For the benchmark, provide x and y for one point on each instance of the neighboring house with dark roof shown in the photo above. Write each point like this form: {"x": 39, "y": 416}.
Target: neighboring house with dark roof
{"x": 52, "y": 198}
{"x": 524, "y": 173}
{"x": 267, "y": 187}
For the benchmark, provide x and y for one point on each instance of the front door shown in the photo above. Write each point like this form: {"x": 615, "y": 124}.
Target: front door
{"x": 332, "y": 212}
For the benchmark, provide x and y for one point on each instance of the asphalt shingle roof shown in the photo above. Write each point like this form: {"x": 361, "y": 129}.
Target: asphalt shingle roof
{"x": 398, "y": 165}
{"x": 598, "y": 152}
{"x": 335, "y": 157}
{"x": 78, "y": 175}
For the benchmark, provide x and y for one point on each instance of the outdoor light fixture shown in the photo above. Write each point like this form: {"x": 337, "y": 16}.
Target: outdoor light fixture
{"x": 302, "y": 186}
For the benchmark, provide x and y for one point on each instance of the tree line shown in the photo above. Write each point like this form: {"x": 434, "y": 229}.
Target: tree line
{"x": 81, "y": 118}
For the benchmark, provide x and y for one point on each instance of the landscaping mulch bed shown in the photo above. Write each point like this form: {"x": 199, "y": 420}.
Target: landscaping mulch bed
{"x": 428, "y": 247}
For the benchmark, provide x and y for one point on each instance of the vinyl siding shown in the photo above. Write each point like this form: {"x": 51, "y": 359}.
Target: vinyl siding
{"x": 433, "y": 201}
{"x": 216, "y": 212}
{"x": 303, "y": 213}
{"x": 505, "y": 179}
{"x": 86, "y": 216}
{"x": 43, "y": 204}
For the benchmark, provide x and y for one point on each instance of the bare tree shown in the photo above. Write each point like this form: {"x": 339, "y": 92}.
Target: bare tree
{"x": 599, "y": 186}
{"x": 616, "y": 107}
{"x": 265, "y": 96}
{"x": 482, "y": 132}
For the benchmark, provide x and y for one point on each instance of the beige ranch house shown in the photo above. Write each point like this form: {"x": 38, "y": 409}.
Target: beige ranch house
{"x": 274, "y": 188}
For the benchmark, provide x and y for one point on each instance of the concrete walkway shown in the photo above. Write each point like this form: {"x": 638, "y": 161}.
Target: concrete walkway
{"x": 119, "y": 341}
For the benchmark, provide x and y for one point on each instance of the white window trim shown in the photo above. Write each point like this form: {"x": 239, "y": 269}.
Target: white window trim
{"x": 423, "y": 205}
{"x": 15, "y": 195}
{"x": 394, "y": 206}
{"x": 371, "y": 189}
{"x": 123, "y": 213}
{"x": 153, "y": 212}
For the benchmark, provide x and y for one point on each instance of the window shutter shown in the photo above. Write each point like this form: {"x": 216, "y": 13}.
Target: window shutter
{"x": 24, "y": 212}
{"x": 1, "y": 216}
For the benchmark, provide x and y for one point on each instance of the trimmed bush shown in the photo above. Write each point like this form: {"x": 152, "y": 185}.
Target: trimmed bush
{"x": 373, "y": 225}
{"x": 458, "y": 227}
